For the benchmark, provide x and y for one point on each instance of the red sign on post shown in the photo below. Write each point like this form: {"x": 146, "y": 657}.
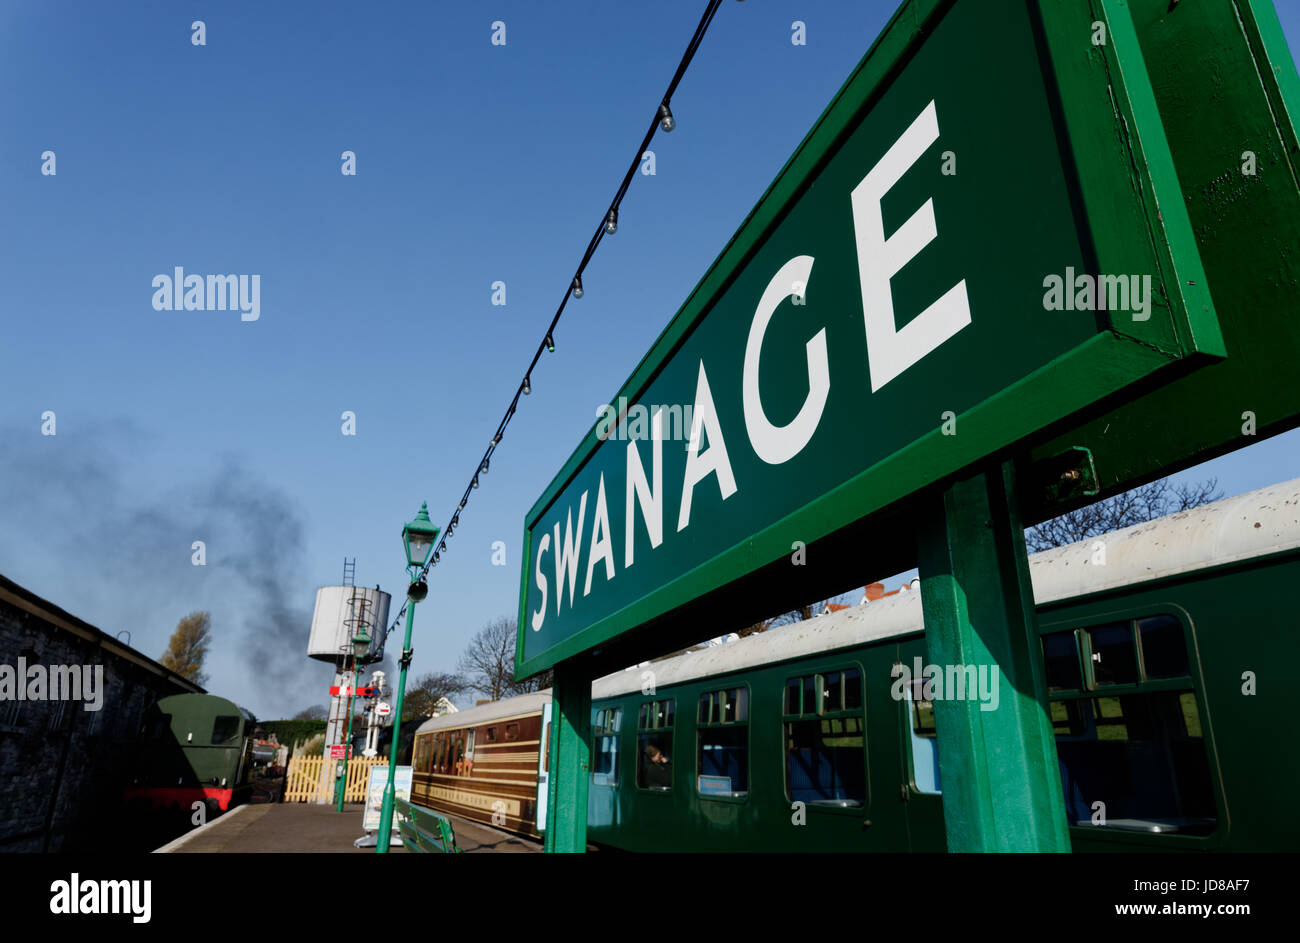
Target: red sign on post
{"x": 338, "y": 751}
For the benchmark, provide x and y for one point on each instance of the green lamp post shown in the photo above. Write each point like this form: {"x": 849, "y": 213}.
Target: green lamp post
{"x": 419, "y": 536}
{"x": 360, "y": 645}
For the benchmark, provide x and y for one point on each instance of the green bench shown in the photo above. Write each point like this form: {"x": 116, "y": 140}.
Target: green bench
{"x": 424, "y": 830}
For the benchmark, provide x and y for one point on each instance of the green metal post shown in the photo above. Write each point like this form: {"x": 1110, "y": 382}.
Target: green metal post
{"x": 342, "y": 788}
{"x": 386, "y": 816}
{"x": 566, "y": 808}
{"x": 1001, "y": 781}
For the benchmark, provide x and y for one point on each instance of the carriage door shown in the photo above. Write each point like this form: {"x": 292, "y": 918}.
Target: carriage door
{"x": 543, "y": 765}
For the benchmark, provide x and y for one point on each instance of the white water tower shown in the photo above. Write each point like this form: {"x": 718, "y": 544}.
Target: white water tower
{"x": 340, "y": 612}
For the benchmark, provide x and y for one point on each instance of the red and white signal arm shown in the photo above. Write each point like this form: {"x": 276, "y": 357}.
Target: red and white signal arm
{"x": 383, "y": 709}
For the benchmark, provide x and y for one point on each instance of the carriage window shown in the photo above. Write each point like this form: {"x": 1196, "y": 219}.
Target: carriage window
{"x": 1143, "y": 757}
{"x": 1066, "y": 719}
{"x": 225, "y": 729}
{"x": 852, "y": 690}
{"x": 512, "y": 731}
{"x": 925, "y": 742}
{"x": 1140, "y": 751}
{"x": 492, "y": 735}
{"x": 825, "y": 742}
{"x": 723, "y": 741}
{"x": 1114, "y": 658}
{"x": 1128, "y": 652}
{"x": 654, "y": 745}
{"x": 792, "y": 689}
{"x": 1164, "y": 649}
{"x": 604, "y": 737}
{"x": 1061, "y": 658}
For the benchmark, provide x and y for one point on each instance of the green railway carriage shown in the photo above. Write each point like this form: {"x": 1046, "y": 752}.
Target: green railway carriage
{"x": 1164, "y": 645}
{"x": 1165, "y": 650}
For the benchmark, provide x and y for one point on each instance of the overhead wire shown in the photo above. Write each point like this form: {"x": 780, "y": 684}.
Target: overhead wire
{"x": 663, "y": 119}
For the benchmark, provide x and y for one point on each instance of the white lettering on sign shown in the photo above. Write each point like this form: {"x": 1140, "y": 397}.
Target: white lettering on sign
{"x": 697, "y": 468}
{"x": 777, "y": 444}
{"x": 602, "y": 545}
{"x": 540, "y": 615}
{"x": 566, "y": 553}
{"x": 891, "y": 350}
{"x": 651, "y": 499}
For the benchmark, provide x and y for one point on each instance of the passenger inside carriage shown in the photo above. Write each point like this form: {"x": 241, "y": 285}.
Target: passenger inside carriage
{"x": 658, "y": 769}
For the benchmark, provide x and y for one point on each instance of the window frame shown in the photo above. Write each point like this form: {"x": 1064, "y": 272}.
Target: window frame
{"x": 616, "y": 708}
{"x": 907, "y": 704}
{"x": 1061, "y": 620}
{"x": 818, "y": 670}
{"x": 718, "y": 725}
{"x": 641, "y": 707}
{"x": 230, "y": 741}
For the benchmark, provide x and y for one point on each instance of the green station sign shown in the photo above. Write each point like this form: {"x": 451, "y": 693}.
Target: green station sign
{"x": 981, "y": 236}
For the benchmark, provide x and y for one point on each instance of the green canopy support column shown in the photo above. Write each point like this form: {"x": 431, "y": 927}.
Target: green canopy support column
{"x": 566, "y": 808}
{"x": 1001, "y": 782}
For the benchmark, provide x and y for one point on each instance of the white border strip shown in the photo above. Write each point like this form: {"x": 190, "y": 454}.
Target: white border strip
{"x": 177, "y": 842}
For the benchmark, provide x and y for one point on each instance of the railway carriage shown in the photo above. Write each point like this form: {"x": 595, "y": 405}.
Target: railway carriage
{"x": 1164, "y": 648}
{"x": 484, "y": 764}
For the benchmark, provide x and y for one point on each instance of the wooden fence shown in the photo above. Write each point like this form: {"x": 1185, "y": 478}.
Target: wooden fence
{"x": 303, "y": 782}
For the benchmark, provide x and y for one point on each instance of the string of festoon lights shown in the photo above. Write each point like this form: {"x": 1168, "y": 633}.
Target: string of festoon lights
{"x": 664, "y": 119}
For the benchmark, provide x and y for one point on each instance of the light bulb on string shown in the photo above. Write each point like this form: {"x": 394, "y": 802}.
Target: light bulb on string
{"x": 667, "y": 121}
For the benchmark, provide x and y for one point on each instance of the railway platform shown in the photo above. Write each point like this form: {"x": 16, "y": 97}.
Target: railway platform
{"x": 307, "y": 828}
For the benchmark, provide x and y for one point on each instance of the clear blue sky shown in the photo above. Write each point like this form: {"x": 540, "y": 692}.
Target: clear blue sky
{"x": 475, "y": 163}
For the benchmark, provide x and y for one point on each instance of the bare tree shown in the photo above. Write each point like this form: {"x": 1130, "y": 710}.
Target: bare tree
{"x": 488, "y": 665}
{"x": 189, "y": 647}
{"x": 1157, "y": 499}
{"x": 423, "y": 696}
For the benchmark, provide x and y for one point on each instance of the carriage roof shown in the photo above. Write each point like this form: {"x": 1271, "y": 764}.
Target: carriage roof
{"x": 1234, "y": 529}
{"x": 1249, "y": 525}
